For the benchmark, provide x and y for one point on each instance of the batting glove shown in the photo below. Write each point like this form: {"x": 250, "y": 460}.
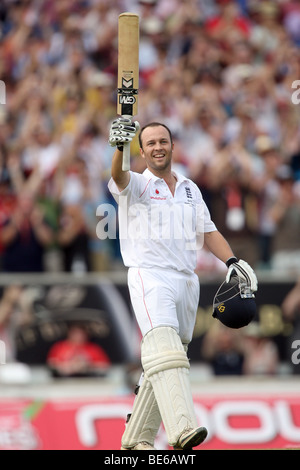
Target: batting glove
{"x": 244, "y": 272}
{"x": 122, "y": 130}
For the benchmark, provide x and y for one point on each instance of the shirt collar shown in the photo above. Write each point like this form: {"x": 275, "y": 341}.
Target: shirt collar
{"x": 180, "y": 178}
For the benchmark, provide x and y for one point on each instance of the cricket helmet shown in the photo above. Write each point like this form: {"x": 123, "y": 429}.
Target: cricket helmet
{"x": 234, "y": 304}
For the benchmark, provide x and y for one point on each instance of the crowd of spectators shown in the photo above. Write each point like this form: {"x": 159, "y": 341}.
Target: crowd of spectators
{"x": 221, "y": 74}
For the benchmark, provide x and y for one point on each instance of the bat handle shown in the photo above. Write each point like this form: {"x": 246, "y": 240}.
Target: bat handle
{"x": 126, "y": 157}
{"x": 126, "y": 151}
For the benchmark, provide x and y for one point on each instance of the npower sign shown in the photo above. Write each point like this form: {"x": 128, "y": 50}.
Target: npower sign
{"x": 258, "y": 421}
{"x": 231, "y": 423}
{"x": 250, "y": 422}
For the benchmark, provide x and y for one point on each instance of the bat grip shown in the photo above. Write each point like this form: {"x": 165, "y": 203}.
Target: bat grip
{"x": 126, "y": 152}
{"x": 126, "y": 157}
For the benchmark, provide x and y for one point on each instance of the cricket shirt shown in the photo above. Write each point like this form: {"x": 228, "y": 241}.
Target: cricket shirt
{"x": 157, "y": 229}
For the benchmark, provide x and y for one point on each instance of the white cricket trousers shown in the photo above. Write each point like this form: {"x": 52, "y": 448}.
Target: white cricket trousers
{"x": 164, "y": 297}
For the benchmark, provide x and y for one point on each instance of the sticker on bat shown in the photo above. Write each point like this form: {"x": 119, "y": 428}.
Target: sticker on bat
{"x": 127, "y": 99}
{"x": 127, "y": 83}
{"x": 128, "y": 91}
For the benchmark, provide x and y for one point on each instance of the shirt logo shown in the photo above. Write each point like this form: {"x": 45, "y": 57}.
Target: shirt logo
{"x": 158, "y": 197}
{"x": 188, "y": 193}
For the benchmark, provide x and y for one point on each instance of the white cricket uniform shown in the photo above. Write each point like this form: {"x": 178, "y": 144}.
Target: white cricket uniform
{"x": 159, "y": 237}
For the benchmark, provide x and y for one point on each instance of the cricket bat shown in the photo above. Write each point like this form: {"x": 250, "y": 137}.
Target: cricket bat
{"x": 128, "y": 72}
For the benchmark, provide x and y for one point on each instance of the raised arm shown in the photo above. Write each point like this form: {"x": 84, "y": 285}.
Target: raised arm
{"x": 120, "y": 177}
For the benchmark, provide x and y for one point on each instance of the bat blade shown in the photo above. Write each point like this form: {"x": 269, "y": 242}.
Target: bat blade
{"x": 128, "y": 72}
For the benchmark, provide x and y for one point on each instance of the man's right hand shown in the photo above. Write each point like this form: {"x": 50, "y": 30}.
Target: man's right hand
{"x": 122, "y": 130}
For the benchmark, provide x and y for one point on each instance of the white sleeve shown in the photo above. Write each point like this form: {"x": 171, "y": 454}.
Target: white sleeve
{"x": 204, "y": 222}
{"x": 209, "y": 225}
{"x": 132, "y": 190}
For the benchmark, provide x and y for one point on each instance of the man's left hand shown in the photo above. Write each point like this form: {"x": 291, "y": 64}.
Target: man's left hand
{"x": 244, "y": 271}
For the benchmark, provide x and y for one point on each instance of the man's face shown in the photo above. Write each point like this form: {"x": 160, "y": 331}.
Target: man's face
{"x": 157, "y": 148}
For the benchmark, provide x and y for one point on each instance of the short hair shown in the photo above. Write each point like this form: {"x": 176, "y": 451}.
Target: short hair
{"x": 154, "y": 124}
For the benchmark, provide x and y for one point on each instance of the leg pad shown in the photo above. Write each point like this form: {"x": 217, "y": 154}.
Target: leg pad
{"x": 166, "y": 366}
{"x": 145, "y": 419}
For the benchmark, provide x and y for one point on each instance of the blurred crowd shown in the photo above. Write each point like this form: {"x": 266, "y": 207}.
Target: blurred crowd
{"x": 223, "y": 75}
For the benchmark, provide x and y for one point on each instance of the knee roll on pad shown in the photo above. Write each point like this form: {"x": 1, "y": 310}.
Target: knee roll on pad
{"x": 162, "y": 350}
